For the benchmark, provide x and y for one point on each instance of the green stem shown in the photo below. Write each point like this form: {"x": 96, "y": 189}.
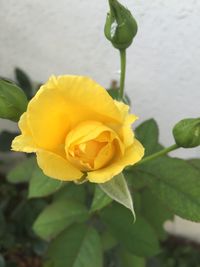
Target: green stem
{"x": 158, "y": 154}
{"x": 123, "y": 73}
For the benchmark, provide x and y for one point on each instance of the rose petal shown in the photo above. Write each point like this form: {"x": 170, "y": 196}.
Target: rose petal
{"x": 24, "y": 142}
{"x": 132, "y": 155}
{"x": 65, "y": 101}
{"x": 57, "y": 167}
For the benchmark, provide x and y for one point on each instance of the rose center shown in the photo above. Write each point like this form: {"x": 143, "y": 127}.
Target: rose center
{"x": 91, "y": 146}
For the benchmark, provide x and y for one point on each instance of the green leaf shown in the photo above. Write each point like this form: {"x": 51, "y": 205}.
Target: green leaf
{"x": 139, "y": 237}
{"x": 100, "y": 200}
{"x": 77, "y": 246}
{"x": 6, "y": 140}
{"x": 13, "y": 101}
{"x": 48, "y": 264}
{"x": 25, "y": 213}
{"x": 108, "y": 241}
{"x": 195, "y": 163}
{"x": 176, "y": 183}
{"x": 7, "y": 241}
{"x": 71, "y": 191}
{"x": 155, "y": 212}
{"x": 7, "y": 80}
{"x": 130, "y": 260}
{"x": 147, "y": 133}
{"x": 41, "y": 185}
{"x": 24, "y": 82}
{"x": 57, "y": 216}
{"x": 135, "y": 180}
{"x": 117, "y": 189}
{"x": 22, "y": 172}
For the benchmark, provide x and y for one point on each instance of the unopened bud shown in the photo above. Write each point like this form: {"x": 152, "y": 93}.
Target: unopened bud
{"x": 187, "y": 133}
{"x": 120, "y": 27}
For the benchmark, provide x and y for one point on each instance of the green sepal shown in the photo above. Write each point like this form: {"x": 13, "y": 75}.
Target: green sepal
{"x": 13, "y": 101}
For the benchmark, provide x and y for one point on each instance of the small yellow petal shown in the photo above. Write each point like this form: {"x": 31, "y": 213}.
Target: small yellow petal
{"x": 132, "y": 155}
{"x": 125, "y": 131}
{"x": 57, "y": 167}
{"x": 23, "y": 124}
{"x": 24, "y": 142}
{"x": 104, "y": 156}
{"x": 84, "y": 132}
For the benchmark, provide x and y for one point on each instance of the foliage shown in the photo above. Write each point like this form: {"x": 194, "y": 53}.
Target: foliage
{"x": 18, "y": 243}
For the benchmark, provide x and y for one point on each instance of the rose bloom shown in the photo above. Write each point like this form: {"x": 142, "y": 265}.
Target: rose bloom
{"x": 76, "y": 129}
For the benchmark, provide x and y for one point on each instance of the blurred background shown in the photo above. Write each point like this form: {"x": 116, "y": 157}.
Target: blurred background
{"x": 66, "y": 37}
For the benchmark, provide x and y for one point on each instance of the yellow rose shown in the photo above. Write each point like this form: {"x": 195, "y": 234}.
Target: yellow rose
{"x": 75, "y": 128}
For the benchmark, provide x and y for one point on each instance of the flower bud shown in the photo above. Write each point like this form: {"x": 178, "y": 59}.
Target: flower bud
{"x": 13, "y": 101}
{"x": 187, "y": 133}
{"x": 120, "y": 27}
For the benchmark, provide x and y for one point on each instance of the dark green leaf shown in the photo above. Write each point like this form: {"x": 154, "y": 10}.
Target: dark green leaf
{"x": 22, "y": 172}
{"x": 71, "y": 191}
{"x": 48, "y": 263}
{"x": 6, "y": 140}
{"x": 7, "y": 80}
{"x": 24, "y": 214}
{"x": 155, "y": 212}
{"x": 24, "y": 82}
{"x": 77, "y": 246}
{"x": 195, "y": 163}
{"x": 41, "y": 185}
{"x": 117, "y": 189}
{"x": 176, "y": 183}
{"x": 139, "y": 238}
{"x": 130, "y": 260}
{"x": 135, "y": 179}
{"x": 7, "y": 241}
{"x": 108, "y": 241}
{"x": 147, "y": 133}
{"x": 100, "y": 199}
{"x": 57, "y": 216}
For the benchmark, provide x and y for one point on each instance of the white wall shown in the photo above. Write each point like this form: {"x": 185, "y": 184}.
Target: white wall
{"x": 163, "y": 72}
